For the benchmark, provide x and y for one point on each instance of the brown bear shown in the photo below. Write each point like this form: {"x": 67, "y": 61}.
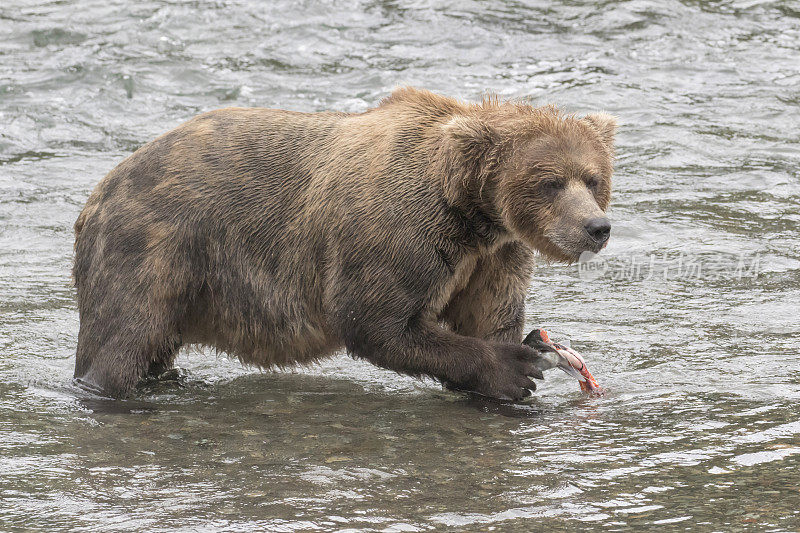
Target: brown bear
{"x": 404, "y": 234}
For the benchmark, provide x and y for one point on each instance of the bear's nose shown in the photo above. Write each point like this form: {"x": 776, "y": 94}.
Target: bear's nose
{"x": 599, "y": 229}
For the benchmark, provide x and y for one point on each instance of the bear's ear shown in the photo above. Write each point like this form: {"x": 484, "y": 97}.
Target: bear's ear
{"x": 473, "y": 153}
{"x": 605, "y": 125}
{"x": 474, "y": 140}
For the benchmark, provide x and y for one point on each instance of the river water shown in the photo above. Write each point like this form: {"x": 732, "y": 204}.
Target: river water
{"x": 690, "y": 319}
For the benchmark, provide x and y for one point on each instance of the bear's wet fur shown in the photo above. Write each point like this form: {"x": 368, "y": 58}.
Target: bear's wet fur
{"x": 404, "y": 234}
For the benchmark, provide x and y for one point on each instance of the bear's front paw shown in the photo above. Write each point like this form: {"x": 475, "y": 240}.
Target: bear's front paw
{"x": 508, "y": 377}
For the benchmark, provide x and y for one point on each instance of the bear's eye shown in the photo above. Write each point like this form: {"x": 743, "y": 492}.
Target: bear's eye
{"x": 552, "y": 184}
{"x": 593, "y": 182}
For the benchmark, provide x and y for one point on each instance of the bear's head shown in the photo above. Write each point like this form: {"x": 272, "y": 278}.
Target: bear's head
{"x": 545, "y": 176}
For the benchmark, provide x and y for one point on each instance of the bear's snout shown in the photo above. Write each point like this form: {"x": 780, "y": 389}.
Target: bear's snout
{"x": 599, "y": 229}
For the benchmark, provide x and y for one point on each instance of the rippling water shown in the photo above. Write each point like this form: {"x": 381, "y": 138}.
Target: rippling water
{"x": 700, "y": 428}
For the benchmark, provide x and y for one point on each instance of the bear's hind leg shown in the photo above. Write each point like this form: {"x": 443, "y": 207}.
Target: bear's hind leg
{"x": 164, "y": 358}
{"x": 113, "y": 355}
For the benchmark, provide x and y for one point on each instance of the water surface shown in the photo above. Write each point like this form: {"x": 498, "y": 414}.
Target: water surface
{"x": 700, "y": 428}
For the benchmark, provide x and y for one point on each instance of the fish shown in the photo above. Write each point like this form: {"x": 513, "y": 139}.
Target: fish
{"x": 556, "y": 355}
